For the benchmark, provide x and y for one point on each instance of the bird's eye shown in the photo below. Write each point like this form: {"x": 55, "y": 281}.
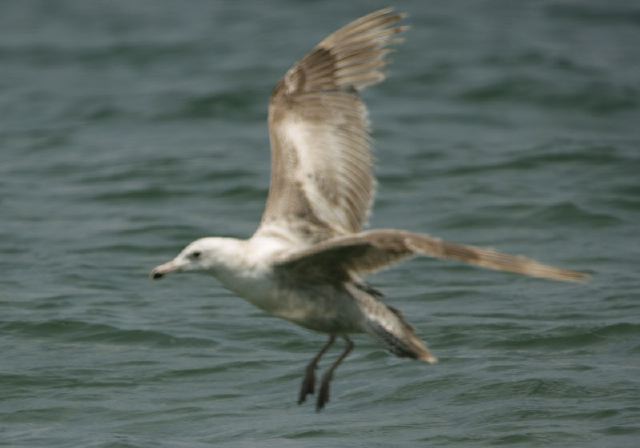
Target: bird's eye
{"x": 196, "y": 254}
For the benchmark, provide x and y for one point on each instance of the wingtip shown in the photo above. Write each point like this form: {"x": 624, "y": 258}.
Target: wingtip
{"x": 428, "y": 358}
{"x": 563, "y": 275}
{"x": 392, "y": 10}
{"x": 578, "y": 277}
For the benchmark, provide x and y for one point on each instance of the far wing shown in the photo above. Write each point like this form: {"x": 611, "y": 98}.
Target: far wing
{"x": 368, "y": 252}
{"x": 321, "y": 180}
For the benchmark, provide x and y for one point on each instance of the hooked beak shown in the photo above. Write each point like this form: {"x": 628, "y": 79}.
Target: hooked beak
{"x": 160, "y": 271}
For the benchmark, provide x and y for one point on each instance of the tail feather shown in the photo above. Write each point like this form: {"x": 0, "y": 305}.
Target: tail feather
{"x": 400, "y": 337}
{"x": 388, "y": 326}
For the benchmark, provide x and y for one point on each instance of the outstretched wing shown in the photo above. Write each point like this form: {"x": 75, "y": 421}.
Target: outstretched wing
{"x": 368, "y": 252}
{"x": 321, "y": 179}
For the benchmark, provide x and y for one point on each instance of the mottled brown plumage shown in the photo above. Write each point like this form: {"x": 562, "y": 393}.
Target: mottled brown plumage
{"x": 322, "y": 184}
{"x": 307, "y": 260}
{"x": 367, "y": 252}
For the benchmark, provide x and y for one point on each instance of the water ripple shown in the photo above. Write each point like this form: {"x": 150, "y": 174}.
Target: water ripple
{"x": 79, "y": 331}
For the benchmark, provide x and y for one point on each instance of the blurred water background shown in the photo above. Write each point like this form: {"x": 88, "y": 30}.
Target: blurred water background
{"x": 128, "y": 129}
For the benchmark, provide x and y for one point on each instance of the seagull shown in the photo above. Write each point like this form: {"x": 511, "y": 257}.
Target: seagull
{"x": 308, "y": 259}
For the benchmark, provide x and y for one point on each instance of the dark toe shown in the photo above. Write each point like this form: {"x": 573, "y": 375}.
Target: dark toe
{"x": 307, "y": 387}
{"x": 323, "y": 396}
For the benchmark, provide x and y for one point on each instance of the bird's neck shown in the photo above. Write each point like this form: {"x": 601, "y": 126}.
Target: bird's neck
{"x": 247, "y": 264}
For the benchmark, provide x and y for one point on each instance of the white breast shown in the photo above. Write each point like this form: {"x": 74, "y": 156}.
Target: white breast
{"x": 249, "y": 272}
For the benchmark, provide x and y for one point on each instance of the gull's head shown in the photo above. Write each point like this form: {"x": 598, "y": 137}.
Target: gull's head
{"x": 205, "y": 254}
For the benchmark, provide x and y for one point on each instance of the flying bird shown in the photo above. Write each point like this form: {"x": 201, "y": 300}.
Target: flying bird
{"x": 308, "y": 259}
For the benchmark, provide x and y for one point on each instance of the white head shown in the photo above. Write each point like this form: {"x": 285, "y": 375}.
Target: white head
{"x": 206, "y": 254}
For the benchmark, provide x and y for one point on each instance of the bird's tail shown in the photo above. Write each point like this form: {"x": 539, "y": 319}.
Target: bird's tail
{"x": 388, "y": 326}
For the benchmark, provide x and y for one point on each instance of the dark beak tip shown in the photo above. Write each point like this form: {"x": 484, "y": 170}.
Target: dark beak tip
{"x": 156, "y": 275}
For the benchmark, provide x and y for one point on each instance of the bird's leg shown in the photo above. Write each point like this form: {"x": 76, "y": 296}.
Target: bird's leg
{"x": 323, "y": 396}
{"x": 309, "y": 381}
